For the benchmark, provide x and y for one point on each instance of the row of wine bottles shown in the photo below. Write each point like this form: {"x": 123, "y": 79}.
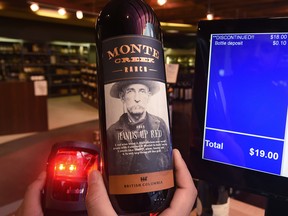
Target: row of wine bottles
{"x": 181, "y": 91}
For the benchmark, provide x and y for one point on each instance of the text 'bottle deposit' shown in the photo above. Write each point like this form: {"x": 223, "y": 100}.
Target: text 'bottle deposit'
{"x": 133, "y": 111}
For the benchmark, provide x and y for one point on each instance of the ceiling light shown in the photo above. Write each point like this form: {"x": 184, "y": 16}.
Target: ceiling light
{"x": 161, "y": 2}
{"x": 50, "y": 13}
{"x": 172, "y": 31}
{"x": 210, "y": 16}
{"x": 175, "y": 24}
{"x": 53, "y": 11}
{"x": 62, "y": 11}
{"x": 79, "y": 14}
{"x": 34, "y": 7}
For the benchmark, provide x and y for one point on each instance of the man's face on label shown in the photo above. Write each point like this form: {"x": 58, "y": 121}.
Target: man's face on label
{"x": 136, "y": 98}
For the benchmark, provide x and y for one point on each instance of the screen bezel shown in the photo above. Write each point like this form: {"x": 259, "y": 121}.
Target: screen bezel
{"x": 217, "y": 173}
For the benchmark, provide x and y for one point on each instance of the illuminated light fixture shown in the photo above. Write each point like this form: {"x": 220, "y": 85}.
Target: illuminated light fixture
{"x": 62, "y": 11}
{"x": 210, "y": 16}
{"x": 53, "y": 11}
{"x": 79, "y": 14}
{"x": 175, "y": 24}
{"x": 161, "y": 2}
{"x": 50, "y": 13}
{"x": 34, "y": 7}
{"x": 172, "y": 31}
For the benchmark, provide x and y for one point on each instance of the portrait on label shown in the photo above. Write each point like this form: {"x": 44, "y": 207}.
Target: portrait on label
{"x": 138, "y": 136}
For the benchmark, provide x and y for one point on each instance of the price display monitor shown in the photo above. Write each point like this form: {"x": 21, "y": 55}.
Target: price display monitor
{"x": 240, "y": 133}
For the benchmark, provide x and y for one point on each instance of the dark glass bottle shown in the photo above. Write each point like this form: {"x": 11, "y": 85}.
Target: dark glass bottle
{"x": 137, "y": 148}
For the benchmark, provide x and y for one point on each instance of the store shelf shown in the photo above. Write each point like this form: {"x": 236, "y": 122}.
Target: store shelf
{"x": 70, "y": 68}
{"x": 60, "y": 63}
{"x": 89, "y": 85}
{"x": 10, "y": 59}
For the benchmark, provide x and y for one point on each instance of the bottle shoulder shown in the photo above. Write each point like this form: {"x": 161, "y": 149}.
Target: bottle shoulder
{"x": 128, "y": 17}
{"x": 133, "y": 8}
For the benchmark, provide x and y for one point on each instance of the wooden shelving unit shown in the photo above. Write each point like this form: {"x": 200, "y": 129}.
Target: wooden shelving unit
{"x": 66, "y": 63}
{"x": 89, "y": 85}
{"x": 60, "y": 63}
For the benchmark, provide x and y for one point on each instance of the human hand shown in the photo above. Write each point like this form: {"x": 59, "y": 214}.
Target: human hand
{"x": 98, "y": 203}
{"x": 186, "y": 192}
{"x": 31, "y": 205}
{"x": 97, "y": 200}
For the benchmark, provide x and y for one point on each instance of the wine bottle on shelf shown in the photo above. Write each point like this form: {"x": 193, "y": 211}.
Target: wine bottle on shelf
{"x": 133, "y": 108}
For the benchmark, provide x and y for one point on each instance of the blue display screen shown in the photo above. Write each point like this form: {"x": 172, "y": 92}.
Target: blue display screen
{"x": 247, "y": 95}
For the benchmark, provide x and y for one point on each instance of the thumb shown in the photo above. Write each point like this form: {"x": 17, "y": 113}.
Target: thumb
{"x": 97, "y": 200}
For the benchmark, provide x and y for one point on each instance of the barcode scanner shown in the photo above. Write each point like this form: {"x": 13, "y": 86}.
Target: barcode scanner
{"x": 68, "y": 166}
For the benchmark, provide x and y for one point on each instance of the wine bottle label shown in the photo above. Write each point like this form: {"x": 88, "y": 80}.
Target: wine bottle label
{"x": 138, "y": 137}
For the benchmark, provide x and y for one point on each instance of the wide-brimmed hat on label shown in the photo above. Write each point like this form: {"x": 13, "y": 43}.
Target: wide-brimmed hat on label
{"x": 118, "y": 87}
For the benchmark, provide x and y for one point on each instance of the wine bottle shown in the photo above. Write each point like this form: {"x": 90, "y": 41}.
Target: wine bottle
{"x": 133, "y": 108}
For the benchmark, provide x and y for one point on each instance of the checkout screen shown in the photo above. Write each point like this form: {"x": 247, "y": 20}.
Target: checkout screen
{"x": 246, "y": 109}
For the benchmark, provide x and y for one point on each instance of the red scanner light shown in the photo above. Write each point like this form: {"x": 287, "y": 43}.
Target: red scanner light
{"x": 68, "y": 166}
{"x": 69, "y": 163}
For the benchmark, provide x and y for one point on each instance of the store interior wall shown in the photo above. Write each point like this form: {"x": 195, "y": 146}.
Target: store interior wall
{"x": 39, "y": 31}
{"x": 42, "y": 31}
